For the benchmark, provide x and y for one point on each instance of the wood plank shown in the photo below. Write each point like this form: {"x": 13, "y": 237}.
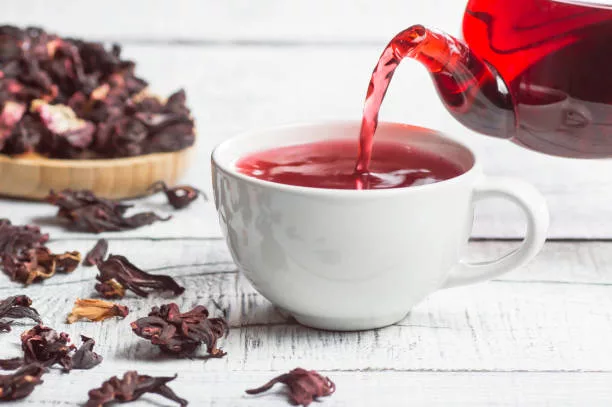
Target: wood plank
{"x": 585, "y": 263}
{"x": 240, "y": 21}
{"x": 208, "y": 389}
{"x": 236, "y": 88}
{"x": 507, "y": 325}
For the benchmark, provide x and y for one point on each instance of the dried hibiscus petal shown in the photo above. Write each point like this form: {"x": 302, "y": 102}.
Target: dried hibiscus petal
{"x": 97, "y": 253}
{"x": 182, "y": 333}
{"x": 16, "y": 307}
{"x": 24, "y": 256}
{"x": 46, "y": 346}
{"x": 130, "y": 388}
{"x": 87, "y": 212}
{"x": 304, "y": 386}
{"x": 85, "y": 357}
{"x": 11, "y": 364}
{"x": 20, "y": 384}
{"x": 180, "y": 196}
{"x": 117, "y": 274}
{"x": 95, "y": 310}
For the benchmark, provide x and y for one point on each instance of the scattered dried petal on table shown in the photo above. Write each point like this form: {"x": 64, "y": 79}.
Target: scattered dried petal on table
{"x": 24, "y": 256}
{"x": 304, "y": 386}
{"x": 130, "y": 388}
{"x": 117, "y": 274}
{"x": 95, "y": 310}
{"x": 180, "y": 196}
{"x": 16, "y": 307}
{"x": 97, "y": 253}
{"x": 11, "y": 363}
{"x": 87, "y": 212}
{"x": 182, "y": 334}
{"x": 85, "y": 357}
{"x": 20, "y": 384}
{"x": 46, "y": 346}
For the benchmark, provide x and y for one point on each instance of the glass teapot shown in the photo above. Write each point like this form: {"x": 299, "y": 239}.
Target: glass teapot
{"x": 537, "y": 72}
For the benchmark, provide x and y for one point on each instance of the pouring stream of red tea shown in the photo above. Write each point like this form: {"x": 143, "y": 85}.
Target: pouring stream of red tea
{"x": 458, "y": 85}
{"x": 469, "y": 91}
{"x": 398, "y": 49}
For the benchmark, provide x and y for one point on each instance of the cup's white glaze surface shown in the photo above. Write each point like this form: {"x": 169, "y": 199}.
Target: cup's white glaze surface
{"x": 350, "y": 260}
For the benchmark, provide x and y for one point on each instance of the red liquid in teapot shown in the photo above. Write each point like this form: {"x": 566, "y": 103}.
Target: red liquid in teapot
{"x": 536, "y": 72}
{"x": 331, "y": 164}
{"x": 556, "y": 58}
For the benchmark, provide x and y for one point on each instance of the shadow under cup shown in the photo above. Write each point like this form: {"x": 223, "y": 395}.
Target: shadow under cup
{"x": 344, "y": 259}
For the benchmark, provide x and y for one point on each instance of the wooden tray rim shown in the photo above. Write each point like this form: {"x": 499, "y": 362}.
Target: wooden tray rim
{"x": 89, "y": 163}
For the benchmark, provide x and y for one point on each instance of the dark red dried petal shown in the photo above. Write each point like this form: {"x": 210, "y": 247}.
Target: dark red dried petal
{"x": 179, "y": 196}
{"x": 25, "y": 258}
{"x": 11, "y": 364}
{"x": 130, "y": 388}
{"x": 97, "y": 253}
{"x": 119, "y": 271}
{"x": 182, "y": 334}
{"x": 17, "y": 307}
{"x": 305, "y": 386}
{"x": 85, "y": 357}
{"x": 87, "y": 212}
{"x": 47, "y": 347}
{"x": 21, "y": 383}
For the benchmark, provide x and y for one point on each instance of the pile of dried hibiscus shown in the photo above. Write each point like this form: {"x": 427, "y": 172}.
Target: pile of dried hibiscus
{"x": 69, "y": 98}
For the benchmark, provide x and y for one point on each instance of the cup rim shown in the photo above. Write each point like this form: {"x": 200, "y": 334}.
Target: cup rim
{"x": 365, "y": 193}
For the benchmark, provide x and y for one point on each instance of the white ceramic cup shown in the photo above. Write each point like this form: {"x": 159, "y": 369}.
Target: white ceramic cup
{"x": 353, "y": 260}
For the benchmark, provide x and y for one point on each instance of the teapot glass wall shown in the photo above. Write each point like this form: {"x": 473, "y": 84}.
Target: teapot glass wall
{"x": 533, "y": 71}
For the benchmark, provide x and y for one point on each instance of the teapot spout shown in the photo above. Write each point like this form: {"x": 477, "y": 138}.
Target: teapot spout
{"x": 471, "y": 89}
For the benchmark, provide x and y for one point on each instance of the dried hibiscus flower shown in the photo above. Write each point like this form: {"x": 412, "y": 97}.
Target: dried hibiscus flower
{"x": 304, "y": 386}
{"x": 16, "y": 307}
{"x": 90, "y": 213}
{"x": 97, "y": 253}
{"x": 85, "y": 357}
{"x": 20, "y": 384}
{"x": 180, "y": 196}
{"x": 117, "y": 275}
{"x": 95, "y": 310}
{"x": 182, "y": 334}
{"x": 25, "y": 258}
{"x": 47, "y": 347}
{"x": 131, "y": 387}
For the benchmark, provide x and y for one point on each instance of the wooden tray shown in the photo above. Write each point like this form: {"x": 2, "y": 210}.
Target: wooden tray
{"x": 119, "y": 178}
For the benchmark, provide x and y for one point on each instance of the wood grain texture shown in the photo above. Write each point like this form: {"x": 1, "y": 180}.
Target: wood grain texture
{"x": 231, "y": 89}
{"x": 121, "y": 178}
{"x": 552, "y": 317}
{"x": 539, "y": 336}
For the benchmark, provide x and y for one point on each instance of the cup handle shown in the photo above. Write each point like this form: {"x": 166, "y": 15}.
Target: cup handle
{"x": 536, "y": 211}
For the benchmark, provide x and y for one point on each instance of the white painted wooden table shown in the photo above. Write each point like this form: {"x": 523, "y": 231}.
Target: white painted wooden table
{"x": 539, "y": 336}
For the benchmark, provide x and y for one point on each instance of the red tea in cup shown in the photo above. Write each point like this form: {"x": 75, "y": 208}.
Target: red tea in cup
{"x": 331, "y": 164}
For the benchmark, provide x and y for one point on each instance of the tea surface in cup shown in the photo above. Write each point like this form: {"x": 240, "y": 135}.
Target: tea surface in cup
{"x": 331, "y": 164}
